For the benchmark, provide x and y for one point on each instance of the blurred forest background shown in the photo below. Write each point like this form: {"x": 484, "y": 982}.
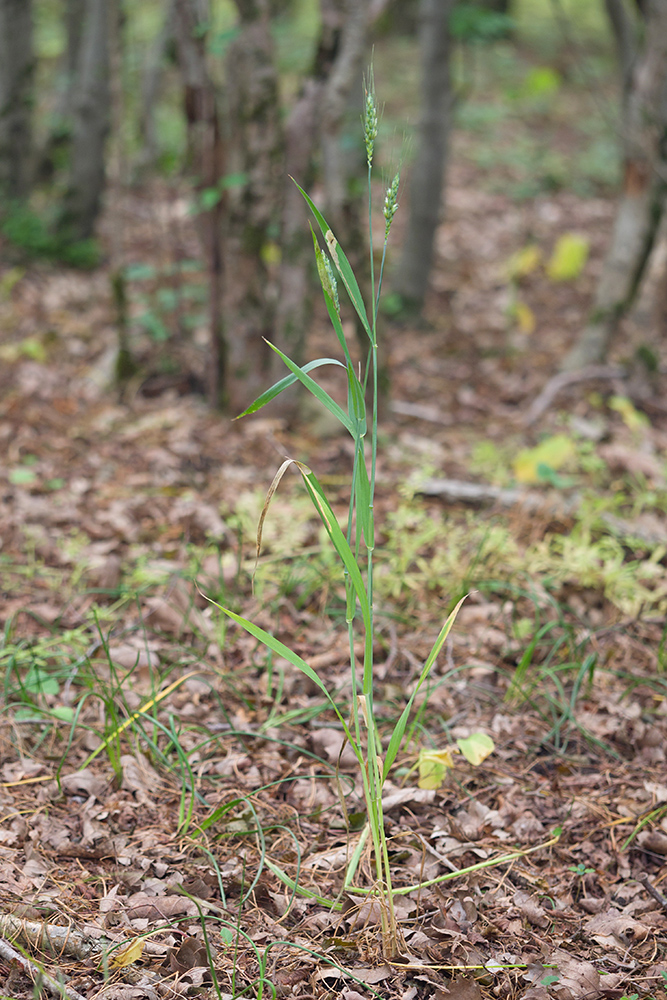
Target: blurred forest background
{"x": 202, "y": 110}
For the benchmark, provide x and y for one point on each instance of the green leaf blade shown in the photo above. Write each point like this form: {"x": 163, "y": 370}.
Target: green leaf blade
{"x": 341, "y": 262}
{"x": 339, "y": 542}
{"x": 320, "y": 394}
{"x": 283, "y": 384}
{"x": 399, "y": 728}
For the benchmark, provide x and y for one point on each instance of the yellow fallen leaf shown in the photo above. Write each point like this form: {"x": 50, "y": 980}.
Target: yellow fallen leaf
{"x": 569, "y": 257}
{"x": 433, "y": 767}
{"x": 632, "y": 418}
{"x": 132, "y": 952}
{"x": 271, "y": 254}
{"x": 524, "y": 316}
{"x": 554, "y": 452}
{"x": 476, "y": 747}
{"x": 523, "y": 262}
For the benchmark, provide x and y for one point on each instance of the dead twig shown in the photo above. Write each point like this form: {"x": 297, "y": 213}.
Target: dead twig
{"x": 37, "y": 974}
{"x": 561, "y": 381}
{"x": 652, "y": 891}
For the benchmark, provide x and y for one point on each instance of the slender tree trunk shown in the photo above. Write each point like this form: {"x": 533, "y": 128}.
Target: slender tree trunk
{"x": 345, "y": 75}
{"x": 75, "y": 19}
{"x": 624, "y": 30}
{"x": 206, "y": 155}
{"x": 428, "y": 171}
{"x": 294, "y": 306}
{"x": 91, "y": 110}
{"x": 57, "y": 145}
{"x": 642, "y": 199}
{"x": 150, "y": 89}
{"x": 16, "y": 85}
{"x": 257, "y": 155}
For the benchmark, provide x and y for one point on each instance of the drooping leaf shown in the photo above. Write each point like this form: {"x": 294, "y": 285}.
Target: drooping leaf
{"x": 282, "y": 650}
{"x": 338, "y": 540}
{"x": 320, "y": 394}
{"x": 284, "y": 383}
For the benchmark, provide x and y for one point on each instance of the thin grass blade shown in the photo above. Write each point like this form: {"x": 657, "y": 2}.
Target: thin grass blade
{"x": 399, "y": 728}
{"x": 282, "y": 650}
{"x": 338, "y": 540}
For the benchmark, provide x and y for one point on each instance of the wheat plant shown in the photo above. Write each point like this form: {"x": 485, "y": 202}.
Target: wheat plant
{"x": 355, "y": 542}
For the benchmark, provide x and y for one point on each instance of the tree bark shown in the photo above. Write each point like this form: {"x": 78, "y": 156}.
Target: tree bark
{"x": 16, "y": 93}
{"x": 642, "y": 200}
{"x": 57, "y": 144}
{"x": 350, "y": 18}
{"x": 428, "y": 171}
{"x": 253, "y": 219}
{"x": 624, "y": 30}
{"x": 207, "y": 162}
{"x": 150, "y": 88}
{"x": 91, "y": 111}
{"x": 295, "y": 300}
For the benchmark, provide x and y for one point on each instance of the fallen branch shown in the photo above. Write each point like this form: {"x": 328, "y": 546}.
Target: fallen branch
{"x": 37, "y": 974}
{"x": 564, "y": 379}
{"x": 51, "y": 938}
{"x": 652, "y": 891}
{"x": 54, "y": 939}
{"x": 483, "y": 494}
{"x": 421, "y": 411}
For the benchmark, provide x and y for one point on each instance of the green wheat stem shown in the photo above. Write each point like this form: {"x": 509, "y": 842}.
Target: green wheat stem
{"x": 372, "y": 262}
{"x": 382, "y": 262}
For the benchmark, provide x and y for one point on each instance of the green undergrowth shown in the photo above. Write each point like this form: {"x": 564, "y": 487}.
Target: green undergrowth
{"x": 552, "y": 595}
{"x": 32, "y": 234}
{"x": 429, "y": 556}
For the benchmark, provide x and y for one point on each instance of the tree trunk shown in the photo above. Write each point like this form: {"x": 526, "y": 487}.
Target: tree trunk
{"x": 253, "y": 219}
{"x": 345, "y": 75}
{"x": 206, "y": 155}
{"x": 57, "y": 145}
{"x": 624, "y": 30}
{"x": 16, "y": 85}
{"x": 295, "y": 300}
{"x": 150, "y": 88}
{"x": 642, "y": 199}
{"x": 428, "y": 171}
{"x": 91, "y": 110}
{"x": 75, "y": 18}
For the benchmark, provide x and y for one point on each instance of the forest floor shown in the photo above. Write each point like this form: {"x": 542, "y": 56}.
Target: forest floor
{"x": 161, "y": 776}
